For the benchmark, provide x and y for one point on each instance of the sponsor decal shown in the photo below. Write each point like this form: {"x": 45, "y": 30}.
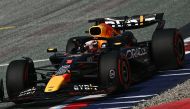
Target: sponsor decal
{"x": 129, "y": 22}
{"x": 132, "y": 22}
{"x": 75, "y": 55}
{"x": 28, "y": 92}
{"x": 135, "y": 52}
{"x": 114, "y": 22}
{"x": 112, "y": 74}
{"x": 85, "y": 87}
{"x": 63, "y": 69}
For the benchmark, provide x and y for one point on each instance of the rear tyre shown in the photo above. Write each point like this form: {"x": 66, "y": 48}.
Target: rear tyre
{"x": 168, "y": 49}
{"x": 114, "y": 72}
{"x": 20, "y": 75}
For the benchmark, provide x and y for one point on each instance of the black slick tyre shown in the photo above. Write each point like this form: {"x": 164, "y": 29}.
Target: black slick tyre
{"x": 20, "y": 75}
{"x": 168, "y": 49}
{"x": 114, "y": 72}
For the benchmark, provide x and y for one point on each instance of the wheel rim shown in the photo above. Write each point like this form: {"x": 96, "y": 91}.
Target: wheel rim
{"x": 124, "y": 73}
{"x": 179, "y": 49}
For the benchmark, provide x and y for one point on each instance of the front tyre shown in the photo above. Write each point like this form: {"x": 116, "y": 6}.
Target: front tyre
{"x": 114, "y": 72}
{"x": 20, "y": 75}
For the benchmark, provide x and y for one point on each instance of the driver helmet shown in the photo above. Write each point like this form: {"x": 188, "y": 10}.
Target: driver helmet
{"x": 103, "y": 30}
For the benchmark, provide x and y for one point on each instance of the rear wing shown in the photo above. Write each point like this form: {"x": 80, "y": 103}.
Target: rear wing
{"x": 134, "y": 22}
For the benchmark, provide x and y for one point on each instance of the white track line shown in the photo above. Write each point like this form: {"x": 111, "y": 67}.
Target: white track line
{"x": 42, "y": 60}
{"x": 139, "y": 96}
{"x": 58, "y": 107}
{"x": 175, "y": 70}
{"x": 127, "y": 107}
{"x": 187, "y": 52}
{"x": 3, "y": 65}
{"x": 126, "y": 102}
{"x": 35, "y": 61}
{"x": 177, "y": 74}
{"x": 92, "y": 96}
{"x": 187, "y": 40}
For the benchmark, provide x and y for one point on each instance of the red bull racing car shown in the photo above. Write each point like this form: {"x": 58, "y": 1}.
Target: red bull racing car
{"x": 108, "y": 60}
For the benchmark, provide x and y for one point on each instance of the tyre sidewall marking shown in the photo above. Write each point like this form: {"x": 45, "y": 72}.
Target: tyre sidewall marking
{"x": 112, "y": 74}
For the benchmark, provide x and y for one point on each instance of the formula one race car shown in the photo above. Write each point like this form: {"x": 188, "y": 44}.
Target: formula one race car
{"x": 108, "y": 60}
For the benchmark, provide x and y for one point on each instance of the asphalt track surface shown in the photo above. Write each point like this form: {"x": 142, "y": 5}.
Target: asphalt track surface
{"x": 29, "y": 27}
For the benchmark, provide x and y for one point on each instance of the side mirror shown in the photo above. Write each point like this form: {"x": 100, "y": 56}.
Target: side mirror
{"x": 49, "y": 50}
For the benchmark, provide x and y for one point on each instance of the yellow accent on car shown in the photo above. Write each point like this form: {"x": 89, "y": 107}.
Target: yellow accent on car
{"x": 50, "y": 49}
{"x": 141, "y": 20}
{"x": 55, "y": 83}
{"x": 117, "y": 43}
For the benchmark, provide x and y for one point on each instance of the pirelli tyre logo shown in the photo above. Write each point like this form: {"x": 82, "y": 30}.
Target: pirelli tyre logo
{"x": 86, "y": 87}
{"x": 135, "y": 52}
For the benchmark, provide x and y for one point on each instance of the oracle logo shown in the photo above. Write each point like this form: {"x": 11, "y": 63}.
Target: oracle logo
{"x": 135, "y": 52}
